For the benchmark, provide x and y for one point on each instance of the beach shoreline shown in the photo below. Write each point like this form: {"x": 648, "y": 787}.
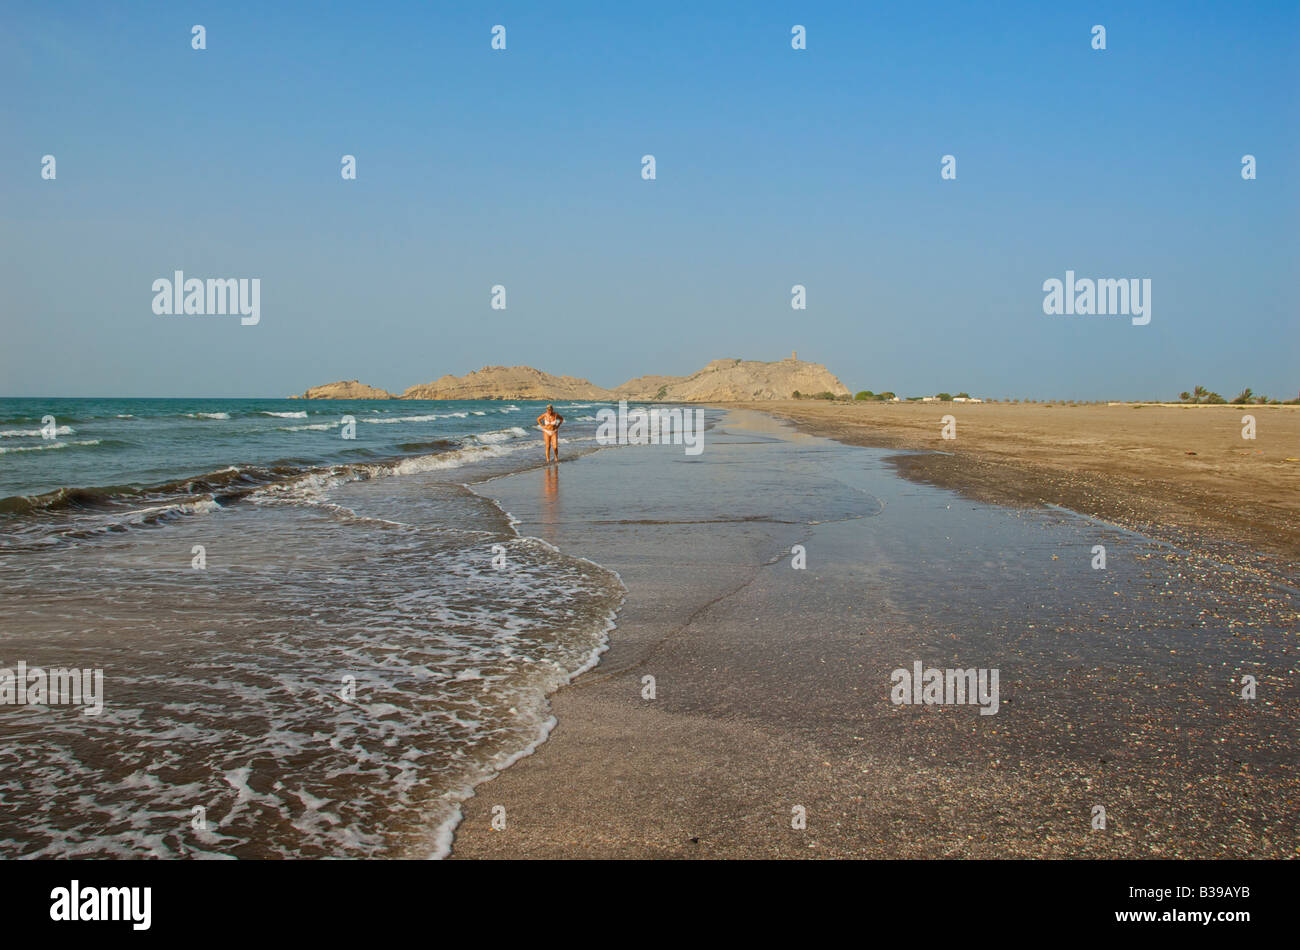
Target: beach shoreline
{"x": 769, "y": 686}
{"x": 1182, "y": 474}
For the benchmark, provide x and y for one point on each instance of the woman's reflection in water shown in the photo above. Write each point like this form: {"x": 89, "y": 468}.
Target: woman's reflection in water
{"x": 550, "y": 501}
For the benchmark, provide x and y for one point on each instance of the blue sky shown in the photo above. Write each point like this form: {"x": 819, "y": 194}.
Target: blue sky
{"x": 775, "y": 167}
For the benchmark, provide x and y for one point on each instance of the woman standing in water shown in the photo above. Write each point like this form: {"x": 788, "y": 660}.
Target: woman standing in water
{"x": 550, "y": 421}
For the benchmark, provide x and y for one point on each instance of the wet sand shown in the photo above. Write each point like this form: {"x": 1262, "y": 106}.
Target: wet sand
{"x": 1182, "y": 473}
{"x": 1118, "y": 686}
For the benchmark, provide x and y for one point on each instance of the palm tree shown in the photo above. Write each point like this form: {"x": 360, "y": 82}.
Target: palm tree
{"x": 1199, "y": 393}
{"x": 1242, "y": 397}
{"x": 1184, "y": 396}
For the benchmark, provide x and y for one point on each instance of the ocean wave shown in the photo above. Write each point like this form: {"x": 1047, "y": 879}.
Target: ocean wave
{"x": 114, "y": 523}
{"x": 498, "y": 435}
{"x": 226, "y": 484}
{"x": 65, "y": 498}
{"x": 207, "y": 415}
{"x": 310, "y": 485}
{"x": 33, "y": 433}
{"x": 433, "y": 463}
{"x": 285, "y": 415}
{"x": 48, "y": 445}
{"x": 232, "y": 477}
{"x": 442, "y": 444}
{"x": 428, "y": 418}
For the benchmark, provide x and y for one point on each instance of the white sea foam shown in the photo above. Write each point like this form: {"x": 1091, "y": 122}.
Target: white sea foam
{"x": 286, "y": 415}
{"x": 499, "y": 435}
{"x": 145, "y": 515}
{"x": 428, "y": 418}
{"x": 33, "y": 433}
{"x": 311, "y": 486}
{"x": 443, "y": 834}
{"x": 46, "y": 445}
{"x": 208, "y": 415}
{"x": 455, "y": 459}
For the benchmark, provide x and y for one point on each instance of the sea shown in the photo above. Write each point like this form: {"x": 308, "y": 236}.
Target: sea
{"x": 315, "y": 637}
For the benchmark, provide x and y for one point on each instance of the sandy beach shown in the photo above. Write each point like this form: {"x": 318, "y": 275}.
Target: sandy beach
{"x": 1183, "y": 473}
{"x": 771, "y": 684}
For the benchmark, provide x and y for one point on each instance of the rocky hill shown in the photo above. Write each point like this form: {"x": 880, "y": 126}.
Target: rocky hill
{"x": 508, "y": 382}
{"x": 730, "y": 380}
{"x": 347, "y": 389}
{"x": 737, "y": 380}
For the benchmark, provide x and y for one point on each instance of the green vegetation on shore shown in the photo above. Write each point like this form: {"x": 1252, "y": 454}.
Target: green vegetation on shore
{"x": 1198, "y": 396}
{"x": 1247, "y": 397}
